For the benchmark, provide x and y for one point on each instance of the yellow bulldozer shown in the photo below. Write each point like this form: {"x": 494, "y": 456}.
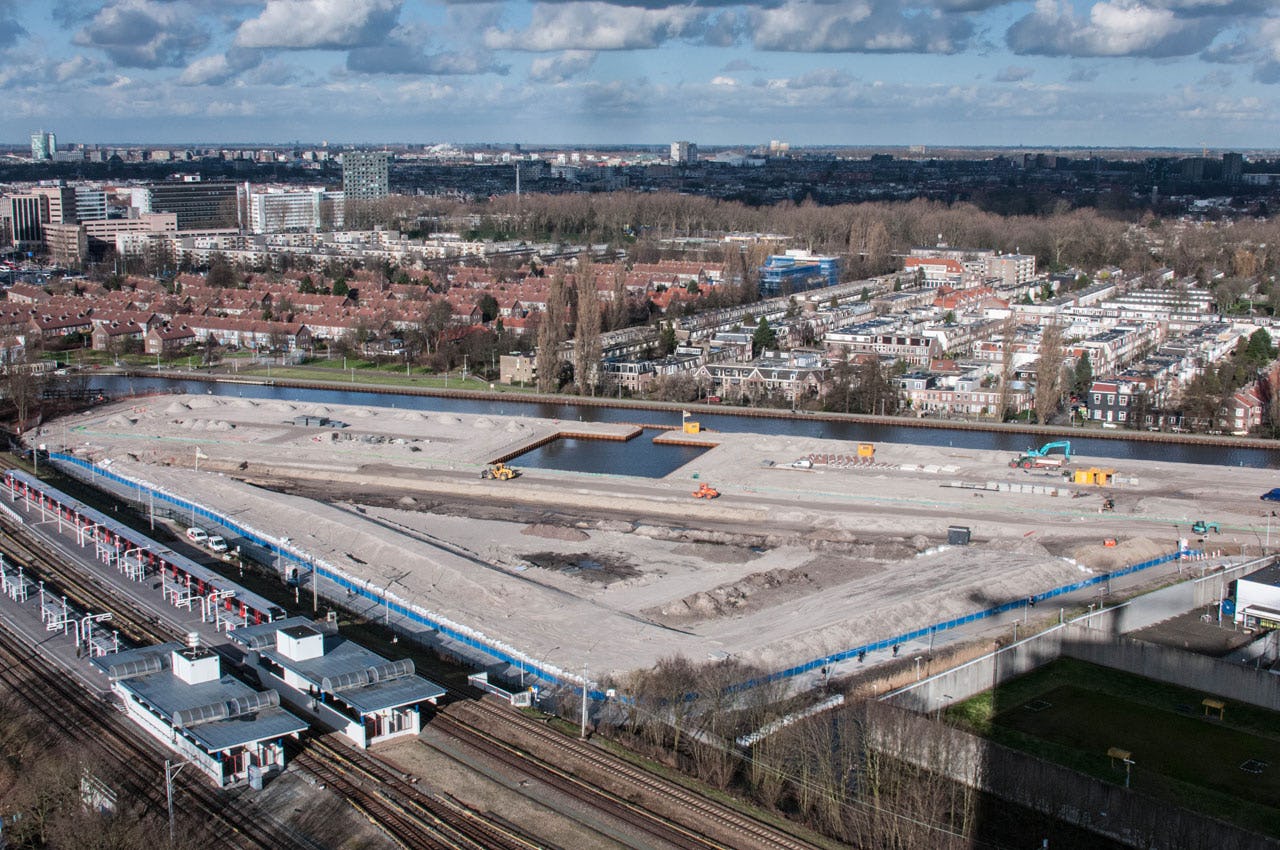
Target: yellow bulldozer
{"x": 499, "y": 472}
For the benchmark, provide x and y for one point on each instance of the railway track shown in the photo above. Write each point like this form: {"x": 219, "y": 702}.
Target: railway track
{"x": 414, "y": 818}
{"x": 409, "y": 816}
{"x": 456, "y": 826}
{"x": 97, "y": 725}
{"x": 702, "y": 823}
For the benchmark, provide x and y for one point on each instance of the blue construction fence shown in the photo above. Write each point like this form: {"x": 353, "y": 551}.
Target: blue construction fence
{"x": 413, "y": 615}
{"x": 929, "y": 631}
{"x": 323, "y": 571}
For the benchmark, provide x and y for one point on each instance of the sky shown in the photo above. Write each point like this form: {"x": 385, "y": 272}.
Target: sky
{"x": 1131, "y": 73}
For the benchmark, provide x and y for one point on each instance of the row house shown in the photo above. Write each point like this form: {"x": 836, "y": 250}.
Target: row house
{"x": 926, "y": 396}
{"x": 877, "y": 337}
{"x": 937, "y": 272}
{"x": 1112, "y": 350}
{"x": 25, "y": 293}
{"x": 114, "y": 336}
{"x": 169, "y": 340}
{"x": 1114, "y": 400}
{"x": 763, "y": 377}
{"x": 976, "y": 298}
{"x": 52, "y": 327}
{"x": 250, "y": 334}
{"x": 1242, "y": 411}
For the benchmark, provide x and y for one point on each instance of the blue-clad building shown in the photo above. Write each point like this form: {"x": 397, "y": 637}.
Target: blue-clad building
{"x": 797, "y": 271}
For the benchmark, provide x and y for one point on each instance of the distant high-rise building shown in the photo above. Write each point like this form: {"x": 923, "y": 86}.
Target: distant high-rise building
{"x": 364, "y": 175}
{"x": 1232, "y": 167}
{"x": 198, "y": 205}
{"x": 43, "y": 146}
{"x": 683, "y": 153}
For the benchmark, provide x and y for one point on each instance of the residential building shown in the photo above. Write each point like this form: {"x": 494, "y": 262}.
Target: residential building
{"x": 364, "y": 175}
{"x": 1012, "y": 269}
{"x": 517, "y": 368}
{"x": 683, "y": 153}
{"x": 279, "y": 210}
{"x": 67, "y": 244}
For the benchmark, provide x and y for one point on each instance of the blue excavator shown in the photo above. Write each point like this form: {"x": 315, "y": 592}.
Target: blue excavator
{"x": 1044, "y": 456}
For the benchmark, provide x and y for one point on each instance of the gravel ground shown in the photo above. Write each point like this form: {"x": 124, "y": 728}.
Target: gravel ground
{"x": 788, "y": 564}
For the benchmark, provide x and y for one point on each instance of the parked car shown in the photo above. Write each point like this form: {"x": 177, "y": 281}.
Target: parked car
{"x": 197, "y": 535}
{"x": 1272, "y": 495}
{"x": 216, "y": 544}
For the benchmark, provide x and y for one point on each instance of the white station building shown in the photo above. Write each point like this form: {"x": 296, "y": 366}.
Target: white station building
{"x": 179, "y": 695}
{"x": 341, "y": 684}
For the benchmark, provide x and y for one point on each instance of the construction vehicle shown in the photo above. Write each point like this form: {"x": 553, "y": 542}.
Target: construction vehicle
{"x": 1043, "y": 457}
{"x": 706, "y": 491}
{"x": 499, "y": 472}
{"x": 1202, "y": 527}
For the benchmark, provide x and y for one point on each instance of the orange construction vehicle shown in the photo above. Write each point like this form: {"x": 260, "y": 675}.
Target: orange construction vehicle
{"x": 706, "y": 491}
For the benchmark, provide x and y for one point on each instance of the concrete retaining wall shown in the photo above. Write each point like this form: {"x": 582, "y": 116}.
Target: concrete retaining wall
{"x": 1101, "y": 807}
{"x": 1095, "y": 630}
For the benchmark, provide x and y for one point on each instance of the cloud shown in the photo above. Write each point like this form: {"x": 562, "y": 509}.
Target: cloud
{"x": 859, "y": 26}
{"x": 78, "y": 67}
{"x": 322, "y": 24}
{"x": 738, "y": 65}
{"x": 1081, "y": 74}
{"x": 144, "y": 34}
{"x": 1217, "y": 79}
{"x": 1113, "y": 28}
{"x": 1014, "y": 74}
{"x": 557, "y": 69}
{"x": 397, "y": 57}
{"x": 219, "y": 68}
{"x": 10, "y": 29}
{"x": 597, "y": 26}
{"x": 727, "y": 82}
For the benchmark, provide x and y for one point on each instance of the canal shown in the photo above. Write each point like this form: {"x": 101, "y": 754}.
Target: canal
{"x": 727, "y": 421}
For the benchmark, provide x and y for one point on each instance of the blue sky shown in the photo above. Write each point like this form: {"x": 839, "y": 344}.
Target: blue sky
{"x": 1186, "y": 73}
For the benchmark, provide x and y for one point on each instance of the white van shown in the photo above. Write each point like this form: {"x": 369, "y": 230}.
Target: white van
{"x": 216, "y": 544}
{"x": 197, "y": 535}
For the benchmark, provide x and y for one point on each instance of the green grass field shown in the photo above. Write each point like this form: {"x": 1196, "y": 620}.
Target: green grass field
{"x": 1071, "y": 713}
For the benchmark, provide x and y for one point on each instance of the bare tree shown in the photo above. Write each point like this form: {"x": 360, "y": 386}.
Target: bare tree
{"x": 586, "y": 350}
{"x": 1049, "y": 373}
{"x": 1007, "y": 335}
{"x": 551, "y": 332}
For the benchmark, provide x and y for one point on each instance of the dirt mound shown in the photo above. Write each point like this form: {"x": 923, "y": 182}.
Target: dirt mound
{"x": 733, "y": 598}
{"x": 1098, "y": 556}
{"x": 555, "y": 532}
{"x": 715, "y": 554}
{"x": 1022, "y": 545}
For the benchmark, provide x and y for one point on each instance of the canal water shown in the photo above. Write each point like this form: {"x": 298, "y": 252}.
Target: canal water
{"x": 799, "y": 427}
{"x": 638, "y": 456}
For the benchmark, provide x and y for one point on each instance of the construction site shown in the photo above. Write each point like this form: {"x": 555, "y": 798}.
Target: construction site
{"x": 771, "y": 550}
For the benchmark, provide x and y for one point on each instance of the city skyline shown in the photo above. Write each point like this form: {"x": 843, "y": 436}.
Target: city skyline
{"x": 1121, "y": 73}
